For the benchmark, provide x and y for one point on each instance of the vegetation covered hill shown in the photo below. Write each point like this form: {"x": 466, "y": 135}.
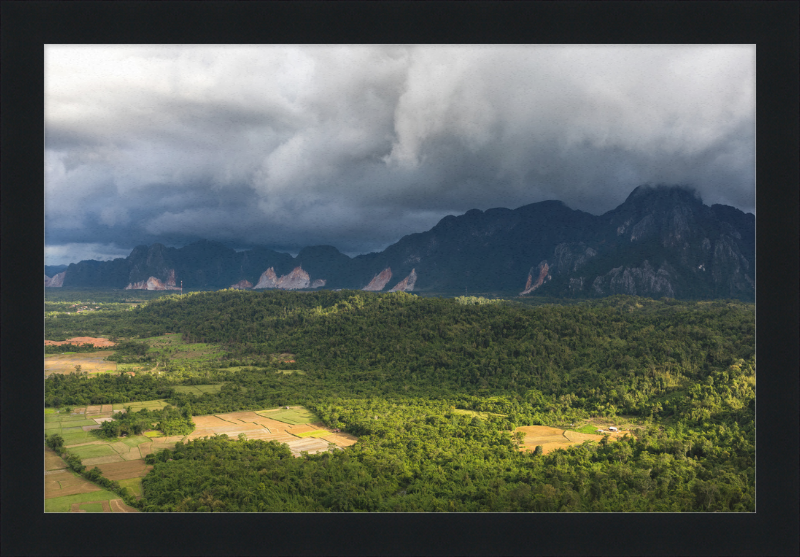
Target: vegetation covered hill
{"x": 391, "y": 368}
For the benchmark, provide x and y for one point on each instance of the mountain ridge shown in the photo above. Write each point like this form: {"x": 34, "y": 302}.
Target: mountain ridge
{"x": 661, "y": 241}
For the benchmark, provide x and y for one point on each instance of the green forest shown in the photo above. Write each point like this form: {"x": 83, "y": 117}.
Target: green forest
{"x": 392, "y": 369}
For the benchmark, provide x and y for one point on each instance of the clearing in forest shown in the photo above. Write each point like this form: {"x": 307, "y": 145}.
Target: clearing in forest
{"x": 551, "y": 438}
{"x": 290, "y": 426}
{"x": 99, "y": 342}
{"x": 294, "y": 415}
{"x": 90, "y": 362}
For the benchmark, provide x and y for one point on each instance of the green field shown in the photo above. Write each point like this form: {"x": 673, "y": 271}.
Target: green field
{"x": 63, "y": 504}
{"x": 149, "y": 404}
{"x": 92, "y": 451}
{"x": 585, "y": 429}
{"x": 134, "y": 484}
{"x": 317, "y": 433}
{"x": 78, "y": 437}
{"x": 293, "y": 416}
{"x": 92, "y": 507}
{"x": 135, "y": 441}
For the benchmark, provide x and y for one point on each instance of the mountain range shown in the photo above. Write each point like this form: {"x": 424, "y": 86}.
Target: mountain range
{"x": 662, "y": 241}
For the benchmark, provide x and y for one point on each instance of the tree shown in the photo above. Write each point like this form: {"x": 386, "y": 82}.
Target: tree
{"x": 537, "y": 451}
{"x": 55, "y": 442}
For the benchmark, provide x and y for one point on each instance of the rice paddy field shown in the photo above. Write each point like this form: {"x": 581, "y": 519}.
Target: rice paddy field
{"x": 66, "y": 491}
{"x": 123, "y": 459}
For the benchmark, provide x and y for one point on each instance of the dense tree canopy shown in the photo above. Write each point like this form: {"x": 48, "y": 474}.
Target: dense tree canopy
{"x": 390, "y": 369}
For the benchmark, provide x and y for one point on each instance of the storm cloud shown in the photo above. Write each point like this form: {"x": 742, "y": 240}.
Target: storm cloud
{"x": 356, "y": 146}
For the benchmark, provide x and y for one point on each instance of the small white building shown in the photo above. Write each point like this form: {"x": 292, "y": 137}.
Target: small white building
{"x": 612, "y": 428}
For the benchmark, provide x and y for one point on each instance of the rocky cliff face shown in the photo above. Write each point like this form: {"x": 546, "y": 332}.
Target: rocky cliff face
{"x": 637, "y": 281}
{"x": 407, "y": 284}
{"x": 56, "y": 281}
{"x": 318, "y": 283}
{"x": 542, "y": 274}
{"x": 268, "y": 279}
{"x": 379, "y": 281}
{"x": 151, "y": 283}
{"x": 295, "y": 280}
{"x": 242, "y": 285}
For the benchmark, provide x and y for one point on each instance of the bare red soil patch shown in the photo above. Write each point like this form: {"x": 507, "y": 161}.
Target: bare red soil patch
{"x": 81, "y": 340}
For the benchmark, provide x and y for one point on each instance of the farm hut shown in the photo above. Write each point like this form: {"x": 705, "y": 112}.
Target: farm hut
{"x": 599, "y": 431}
{"x": 612, "y": 428}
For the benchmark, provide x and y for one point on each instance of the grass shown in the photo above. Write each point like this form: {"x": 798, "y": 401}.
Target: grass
{"x": 135, "y": 441}
{"x": 586, "y": 429}
{"x": 63, "y": 504}
{"x": 92, "y": 507}
{"x": 49, "y": 410}
{"x": 78, "y": 437}
{"x": 93, "y": 451}
{"x": 149, "y": 404}
{"x": 291, "y": 371}
{"x": 77, "y": 423}
{"x": 153, "y": 434}
{"x": 316, "y": 433}
{"x": 134, "y": 484}
{"x": 293, "y": 416}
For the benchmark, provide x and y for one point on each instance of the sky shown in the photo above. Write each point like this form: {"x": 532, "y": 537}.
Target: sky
{"x": 357, "y": 146}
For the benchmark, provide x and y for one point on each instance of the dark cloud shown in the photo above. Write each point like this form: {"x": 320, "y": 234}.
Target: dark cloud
{"x": 358, "y": 146}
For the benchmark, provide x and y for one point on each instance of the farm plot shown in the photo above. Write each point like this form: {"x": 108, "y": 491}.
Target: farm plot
{"x": 90, "y": 362}
{"x": 295, "y": 415}
{"x": 341, "y": 439}
{"x": 92, "y": 451}
{"x": 102, "y": 342}
{"x": 310, "y": 445}
{"x": 65, "y": 482}
{"x": 52, "y": 461}
{"x": 63, "y": 504}
{"x": 136, "y": 406}
{"x": 551, "y": 438}
{"x": 124, "y": 470}
{"x": 261, "y": 425}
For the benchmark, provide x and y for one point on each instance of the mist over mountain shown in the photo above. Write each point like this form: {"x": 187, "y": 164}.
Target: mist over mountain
{"x": 662, "y": 241}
